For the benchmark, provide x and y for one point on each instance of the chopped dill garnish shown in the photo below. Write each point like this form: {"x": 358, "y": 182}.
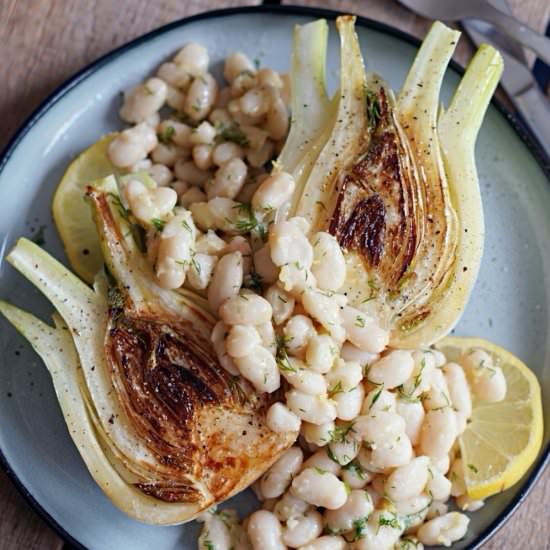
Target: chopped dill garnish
{"x": 281, "y": 356}
{"x": 340, "y": 433}
{"x": 158, "y": 224}
{"x": 165, "y": 136}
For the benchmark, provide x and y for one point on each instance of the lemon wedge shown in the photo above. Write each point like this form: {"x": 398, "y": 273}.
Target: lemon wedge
{"x": 71, "y": 213}
{"x": 503, "y": 439}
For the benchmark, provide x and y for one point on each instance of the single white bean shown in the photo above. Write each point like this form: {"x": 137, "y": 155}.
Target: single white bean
{"x": 357, "y": 508}
{"x": 297, "y": 332}
{"x": 174, "y": 74}
{"x": 329, "y": 264}
{"x": 200, "y": 97}
{"x": 229, "y": 179}
{"x": 413, "y": 414}
{"x": 224, "y": 152}
{"x": 438, "y": 487}
{"x": 355, "y": 475}
{"x": 282, "y": 303}
{"x": 444, "y": 530}
{"x": 235, "y": 64}
{"x": 326, "y": 542}
{"x": 226, "y": 280}
{"x": 274, "y": 191}
{"x": 241, "y": 340}
{"x": 276, "y": 480}
{"x": 325, "y": 310}
{"x": 321, "y": 353}
{"x": 260, "y": 368}
{"x": 344, "y": 376}
{"x": 322, "y": 461}
{"x": 351, "y": 353}
{"x": 320, "y": 488}
{"x": 296, "y": 279}
{"x": 459, "y": 393}
{"x": 438, "y": 432}
{"x": 466, "y": 504}
{"x": 379, "y": 399}
{"x": 487, "y": 380}
{"x": 187, "y": 171}
{"x": 311, "y": 408}
{"x": 143, "y": 100}
{"x": 288, "y": 244}
{"x": 363, "y": 332}
{"x": 217, "y": 338}
{"x": 193, "y": 58}
{"x": 245, "y": 309}
{"x": 408, "y": 481}
{"x": 392, "y": 370}
{"x": 318, "y": 434}
{"x": 303, "y": 530}
{"x": 281, "y": 419}
{"x": 303, "y": 379}
{"x": 201, "y": 270}
{"x": 265, "y": 531}
{"x": 277, "y": 118}
{"x": 348, "y": 403}
{"x": 215, "y": 534}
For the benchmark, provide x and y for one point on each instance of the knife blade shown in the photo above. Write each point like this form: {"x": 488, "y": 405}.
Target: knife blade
{"x": 517, "y": 80}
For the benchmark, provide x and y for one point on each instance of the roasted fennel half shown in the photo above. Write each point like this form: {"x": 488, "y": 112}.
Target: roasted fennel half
{"x": 395, "y": 179}
{"x": 164, "y": 430}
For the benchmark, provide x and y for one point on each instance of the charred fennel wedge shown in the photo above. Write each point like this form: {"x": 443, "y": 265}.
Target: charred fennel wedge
{"x": 163, "y": 428}
{"x": 396, "y": 183}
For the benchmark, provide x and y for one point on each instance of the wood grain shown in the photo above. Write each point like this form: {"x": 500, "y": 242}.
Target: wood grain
{"x": 44, "y": 43}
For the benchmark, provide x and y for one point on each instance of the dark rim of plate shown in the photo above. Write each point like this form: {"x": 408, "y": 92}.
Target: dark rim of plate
{"x": 269, "y": 6}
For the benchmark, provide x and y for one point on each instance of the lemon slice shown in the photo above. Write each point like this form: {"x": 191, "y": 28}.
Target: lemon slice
{"x": 71, "y": 213}
{"x": 503, "y": 439}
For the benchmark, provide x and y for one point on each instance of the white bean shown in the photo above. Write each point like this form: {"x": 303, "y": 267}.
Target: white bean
{"x": 288, "y": 506}
{"x": 215, "y": 535}
{"x": 392, "y": 370}
{"x": 346, "y": 447}
{"x": 414, "y": 510}
{"x": 318, "y": 434}
{"x": 421, "y": 377}
{"x": 438, "y": 487}
{"x": 281, "y": 419}
{"x": 265, "y": 531}
{"x": 174, "y": 74}
{"x": 235, "y": 64}
{"x": 226, "y": 280}
{"x": 438, "y": 432}
{"x": 245, "y": 309}
{"x": 254, "y": 103}
{"x": 288, "y": 244}
{"x": 274, "y": 191}
{"x": 277, "y": 118}
{"x": 444, "y": 530}
{"x": 276, "y": 480}
{"x": 357, "y": 508}
{"x": 260, "y": 369}
{"x": 459, "y": 393}
{"x": 325, "y": 310}
{"x": 344, "y": 376}
{"x": 302, "y": 530}
{"x": 303, "y": 379}
{"x": 322, "y": 461}
{"x": 269, "y": 77}
{"x": 326, "y": 542}
{"x": 379, "y": 399}
{"x": 265, "y": 268}
{"x": 201, "y": 270}
{"x": 267, "y": 334}
{"x": 193, "y": 57}
{"x": 175, "y": 99}
{"x": 228, "y": 180}
{"x": 320, "y": 488}
{"x": 218, "y": 342}
{"x": 351, "y": 353}
{"x": 186, "y": 170}
{"x": 296, "y": 279}
{"x": 487, "y": 381}
{"x": 224, "y": 152}
{"x": 192, "y": 195}
{"x": 329, "y": 264}
{"x": 321, "y": 353}
{"x": 381, "y": 533}
{"x": 437, "y": 396}
{"x": 456, "y": 476}
{"x": 413, "y": 414}
{"x": 355, "y": 475}
{"x": 219, "y": 116}
{"x": 176, "y": 131}
{"x": 297, "y": 332}
{"x": 202, "y": 215}
{"x": 209, "y": 243}
{"x": 241, "y": 340}
{"x": 363, "y": 332}
{"x": 282, "y": 303}
{"x": 408, "y": 481}
{"x": 466, "y": 504}
{"x": 200, "y": 97}
{"x": 167, "y": 154}
{"x": 161, "y": 174}
{"x": 437, "y": 509}
{"x": 348, "y": 403}
{"x": 311, "y": 408}
{"x": 144, "y": 100}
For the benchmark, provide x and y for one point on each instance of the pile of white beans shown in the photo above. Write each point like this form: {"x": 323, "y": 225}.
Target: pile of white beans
{"x": 377, "y": 458}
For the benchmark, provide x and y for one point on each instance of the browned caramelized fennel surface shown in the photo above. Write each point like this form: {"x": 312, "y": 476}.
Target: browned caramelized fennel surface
{"x": 387, "y": 214}
{"x": 205, "y": 427}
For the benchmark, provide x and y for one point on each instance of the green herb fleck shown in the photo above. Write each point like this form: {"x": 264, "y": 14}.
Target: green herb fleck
{"x": 373, "y": 108}
{"x": 336, "y": 389}
{"x": 359, "y": 321}
{"x": 166, "y": 135}
{"x": 320, "y": 470}
{"x": 359, "y": 526}
{"x": 281, "y": 356}
{"x": 232, "y": 133}
{"x": 473, "y": 468}
{"x": 186, "y": 226}
{"x": 158, "y": 224}
{"x": 254, "y": 281}
{"x": 340, "y": 433}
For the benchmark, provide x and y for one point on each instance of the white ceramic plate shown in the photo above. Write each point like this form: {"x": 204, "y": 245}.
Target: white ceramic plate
{"x": 509, "y": 305}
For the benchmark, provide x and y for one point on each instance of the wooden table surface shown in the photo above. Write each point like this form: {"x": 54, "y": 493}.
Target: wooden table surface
{"x": 43, "y": 43}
